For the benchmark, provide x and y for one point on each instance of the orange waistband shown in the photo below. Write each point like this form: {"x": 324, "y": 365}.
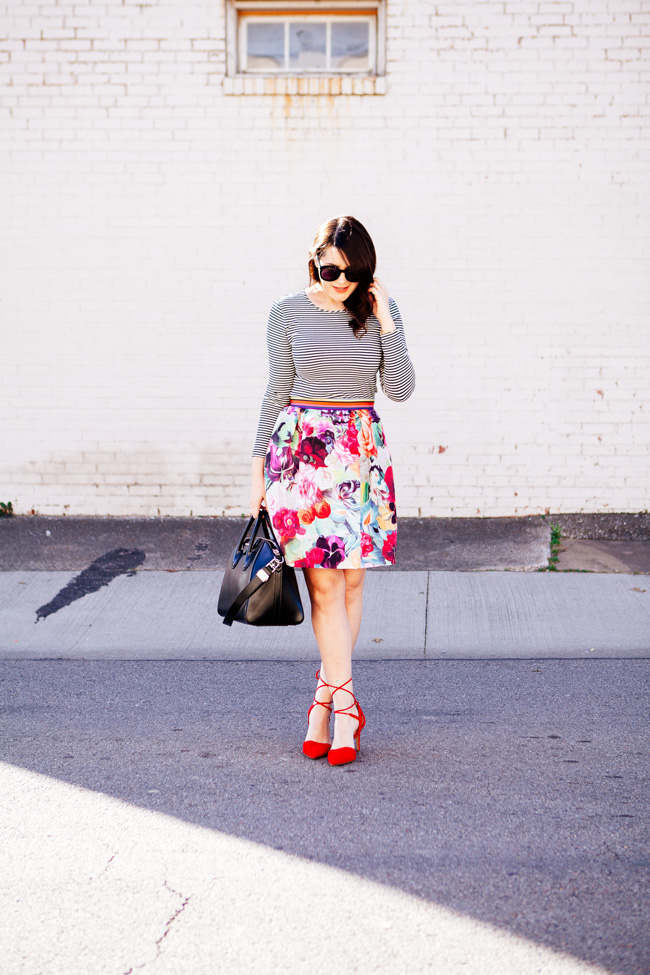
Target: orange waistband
{"x": 340, "y": 404}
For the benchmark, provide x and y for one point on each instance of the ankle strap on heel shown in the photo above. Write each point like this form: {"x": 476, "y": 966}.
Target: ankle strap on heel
{"x": 323, "y": 704}
{"x": 342, "y": 756}
{"x": 346, "y": 710}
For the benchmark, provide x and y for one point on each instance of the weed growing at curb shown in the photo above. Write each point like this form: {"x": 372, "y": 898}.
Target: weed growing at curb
{"x": 556, "y": 536}
{"x": 6, "y": 509}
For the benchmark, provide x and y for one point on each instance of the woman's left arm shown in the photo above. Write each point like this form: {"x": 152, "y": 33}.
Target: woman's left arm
{"x": 396, "y": 372}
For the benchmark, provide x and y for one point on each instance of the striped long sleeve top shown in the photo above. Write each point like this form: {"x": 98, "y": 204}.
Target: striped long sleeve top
{"x": 315, "y": 355}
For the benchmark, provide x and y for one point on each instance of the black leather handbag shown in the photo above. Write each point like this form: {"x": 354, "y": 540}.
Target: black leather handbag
{"x": 258, "y": 587}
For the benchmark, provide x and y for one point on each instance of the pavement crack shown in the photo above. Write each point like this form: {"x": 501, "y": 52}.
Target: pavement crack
{"x": 168, "y": 925}
{"x": 171, "y": 920}
{"x": 426, "y": 616}
{"x": 158, "y": 943}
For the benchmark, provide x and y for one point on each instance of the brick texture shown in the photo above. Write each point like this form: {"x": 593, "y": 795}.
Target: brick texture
{"x": 151, "y": 216}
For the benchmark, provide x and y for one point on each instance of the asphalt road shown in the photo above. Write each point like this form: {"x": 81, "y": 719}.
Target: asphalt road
{"x": 158, "y": 816}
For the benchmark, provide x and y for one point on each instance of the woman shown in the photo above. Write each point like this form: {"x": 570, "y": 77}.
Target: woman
{"x": 320, "y": 460}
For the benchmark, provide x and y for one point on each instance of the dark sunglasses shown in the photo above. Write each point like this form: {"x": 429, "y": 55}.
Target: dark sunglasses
{"x": 330, "y": 272}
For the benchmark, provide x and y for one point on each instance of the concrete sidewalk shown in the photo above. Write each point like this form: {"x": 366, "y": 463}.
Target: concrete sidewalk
{"x": 140, "y": 615}
{"x": 147, "y": 588}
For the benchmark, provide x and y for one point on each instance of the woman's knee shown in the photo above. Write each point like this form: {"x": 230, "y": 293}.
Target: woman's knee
{"x": 326, "y": 586}
{"x": 354, "y": 579}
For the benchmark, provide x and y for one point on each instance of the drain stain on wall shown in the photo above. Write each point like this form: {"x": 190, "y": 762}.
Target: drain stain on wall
{"x": 121, "y": 561}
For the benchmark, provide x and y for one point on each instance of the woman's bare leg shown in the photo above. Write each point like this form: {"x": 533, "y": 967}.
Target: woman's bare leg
{"x": 336, "y": 604}
{"x": 354, "y": 580}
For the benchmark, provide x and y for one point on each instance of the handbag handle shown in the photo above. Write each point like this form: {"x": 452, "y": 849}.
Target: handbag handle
{"x": 263, "y": 522}
{"x": 239, "y": 548}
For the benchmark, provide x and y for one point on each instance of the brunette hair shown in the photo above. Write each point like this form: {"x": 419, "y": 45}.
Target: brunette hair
{"x": 353, "y": 240}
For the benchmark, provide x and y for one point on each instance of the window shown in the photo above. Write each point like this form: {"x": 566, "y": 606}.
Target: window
{"x": 297, "y": 43}
{"x": 306, "y": 43}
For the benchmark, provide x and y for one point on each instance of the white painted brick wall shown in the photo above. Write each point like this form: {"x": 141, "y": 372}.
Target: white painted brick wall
{"x": 149, "y": 220}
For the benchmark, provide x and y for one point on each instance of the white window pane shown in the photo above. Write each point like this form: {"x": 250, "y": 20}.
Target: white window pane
{"x": 307, "y": 46}
{"x": 350, "y": 45}
{"x": 265, "y": 47}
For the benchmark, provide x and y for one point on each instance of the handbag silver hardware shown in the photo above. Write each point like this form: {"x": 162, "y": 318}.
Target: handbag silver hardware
{"x": 267, "y": 571}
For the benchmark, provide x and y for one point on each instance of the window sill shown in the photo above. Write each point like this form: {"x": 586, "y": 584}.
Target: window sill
{"x": 303, "y": 85}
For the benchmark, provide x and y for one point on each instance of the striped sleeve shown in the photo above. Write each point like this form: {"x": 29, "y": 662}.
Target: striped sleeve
{"x": 281, "y": 375}
{"x": 396, "y": 372}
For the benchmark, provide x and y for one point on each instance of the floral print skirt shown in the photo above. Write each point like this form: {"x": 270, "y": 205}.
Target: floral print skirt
{"x": 329, "y": 487}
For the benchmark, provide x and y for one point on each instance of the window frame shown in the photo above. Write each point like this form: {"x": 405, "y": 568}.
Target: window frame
{"x": 294, "y": 10}
{"x": 300, "y": 17}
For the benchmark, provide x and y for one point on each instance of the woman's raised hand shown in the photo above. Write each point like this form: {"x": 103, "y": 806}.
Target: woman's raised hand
{"x": 380, "y": 307}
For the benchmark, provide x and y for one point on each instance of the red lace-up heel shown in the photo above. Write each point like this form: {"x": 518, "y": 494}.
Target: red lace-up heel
{"x": 316, "y": 749}
{"x": 341, "y": 756}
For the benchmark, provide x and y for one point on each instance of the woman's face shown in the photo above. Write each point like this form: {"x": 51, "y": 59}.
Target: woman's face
{"x": 341, "y": 289}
